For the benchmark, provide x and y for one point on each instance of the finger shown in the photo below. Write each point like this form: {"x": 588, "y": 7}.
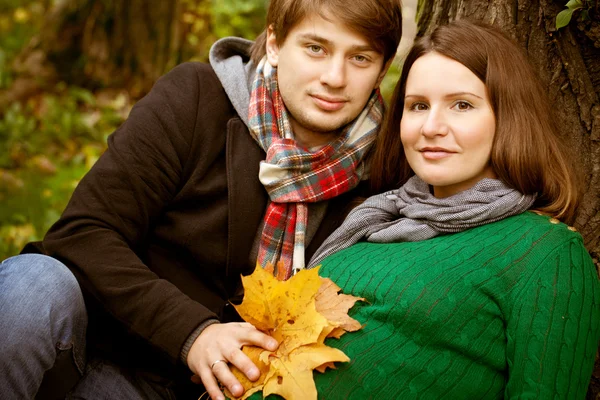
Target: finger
{"x": 255, "y": 337}
{"x": 244, "y": 364}
{"x": 224, "y": 375}
{"x": 210, "y": 384}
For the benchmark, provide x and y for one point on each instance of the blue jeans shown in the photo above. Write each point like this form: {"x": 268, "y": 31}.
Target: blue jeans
{"x": 43, "y": 320}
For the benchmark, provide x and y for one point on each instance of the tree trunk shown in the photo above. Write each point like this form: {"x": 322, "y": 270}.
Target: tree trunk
{"x": 568, "y": 61}
{"x": 103, "y": 44}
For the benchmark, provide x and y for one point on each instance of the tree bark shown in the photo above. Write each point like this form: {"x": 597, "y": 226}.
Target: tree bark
{"x": 568, "y": 62}
{"x": 103, "y": 44}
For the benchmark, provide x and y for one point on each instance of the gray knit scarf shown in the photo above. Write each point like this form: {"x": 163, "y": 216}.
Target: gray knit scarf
{"x": 412, "y": 213}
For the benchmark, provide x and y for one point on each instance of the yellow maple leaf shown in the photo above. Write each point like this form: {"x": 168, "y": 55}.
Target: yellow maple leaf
{"x": 321, "y": 368}
{"x": 299, "y": 313}
{"x": 284, "y": 310}
{"x": 291, "y": 376}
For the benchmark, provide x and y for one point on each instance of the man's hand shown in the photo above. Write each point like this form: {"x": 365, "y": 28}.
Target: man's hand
{"x": 224, "y": 342}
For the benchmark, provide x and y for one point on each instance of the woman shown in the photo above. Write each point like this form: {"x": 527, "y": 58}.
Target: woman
{"x": 469, "y": 294}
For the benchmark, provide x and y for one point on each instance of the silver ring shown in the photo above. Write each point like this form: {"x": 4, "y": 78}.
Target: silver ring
{"x": 216, "y": 362}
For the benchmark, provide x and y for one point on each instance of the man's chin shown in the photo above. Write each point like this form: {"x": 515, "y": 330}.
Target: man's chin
{"x": 327, "y": 126}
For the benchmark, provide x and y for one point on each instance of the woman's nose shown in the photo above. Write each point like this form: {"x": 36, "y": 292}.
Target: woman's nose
{"x": 435, "y": 124}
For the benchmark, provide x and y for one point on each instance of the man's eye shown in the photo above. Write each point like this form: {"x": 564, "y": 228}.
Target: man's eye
{"x": 361, "y": 59}
{"x": 314, "y": 48}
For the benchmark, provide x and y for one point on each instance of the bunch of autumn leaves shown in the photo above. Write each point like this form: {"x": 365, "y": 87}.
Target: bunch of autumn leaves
{"x": 300, "y": 314}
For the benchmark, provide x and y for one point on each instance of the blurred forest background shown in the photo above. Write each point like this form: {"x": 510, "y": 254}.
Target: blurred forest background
{"x": 70, "y": 71}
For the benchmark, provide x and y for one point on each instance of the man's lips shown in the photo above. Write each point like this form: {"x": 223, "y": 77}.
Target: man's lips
{"x": 435, "y": 153}
{"x": 329, "y": 103}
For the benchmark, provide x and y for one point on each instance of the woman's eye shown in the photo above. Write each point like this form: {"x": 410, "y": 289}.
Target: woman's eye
{"x": 418, "y": 107}
{"x": 463, "y": 105}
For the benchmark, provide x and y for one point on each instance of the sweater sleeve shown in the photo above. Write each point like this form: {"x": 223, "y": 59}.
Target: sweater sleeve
{"x": 553, "y": 329}
{"x": 113, "y": 209}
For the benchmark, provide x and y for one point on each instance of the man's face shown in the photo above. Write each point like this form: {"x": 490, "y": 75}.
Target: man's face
{"x": 326, "y": 74}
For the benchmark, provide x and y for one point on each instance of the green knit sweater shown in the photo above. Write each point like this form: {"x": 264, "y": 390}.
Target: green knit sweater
{"x": 510, "y": 309}
{"x": 506, "y": 310}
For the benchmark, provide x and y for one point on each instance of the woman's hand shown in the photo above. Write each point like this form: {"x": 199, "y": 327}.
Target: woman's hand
{"x": 224, "y": 342}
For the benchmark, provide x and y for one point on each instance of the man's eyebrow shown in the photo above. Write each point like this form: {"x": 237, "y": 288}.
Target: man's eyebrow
{"x": 327, "y": 42}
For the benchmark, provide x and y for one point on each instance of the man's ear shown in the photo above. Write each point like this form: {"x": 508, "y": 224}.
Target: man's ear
{"x": 383, "y": 72}
{"x": 272, "y": 47}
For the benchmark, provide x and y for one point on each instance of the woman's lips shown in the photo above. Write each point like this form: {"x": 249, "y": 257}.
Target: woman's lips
{"x": 436, "y": 154}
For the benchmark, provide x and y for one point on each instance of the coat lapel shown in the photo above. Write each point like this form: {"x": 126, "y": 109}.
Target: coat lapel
{"x": 247, "y": 198}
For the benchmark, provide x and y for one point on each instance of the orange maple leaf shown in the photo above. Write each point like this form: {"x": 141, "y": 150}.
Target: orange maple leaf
{"x": 299, "y": 313}
{"x": 335, "y": 306}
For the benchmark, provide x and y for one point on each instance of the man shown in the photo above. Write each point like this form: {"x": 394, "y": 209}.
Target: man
{"x": 217, "y": 167}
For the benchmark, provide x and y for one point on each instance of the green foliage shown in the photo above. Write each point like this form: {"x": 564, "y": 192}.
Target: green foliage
{"x": 19, "y": 21}
{"x": 582, "y": 6}
{"x": 4, "y": 70}
{"x": 48, "y": 144}
{"x": 195, "y": 18}
{"x": 389, "y": 81}
{"x": 206, "y": 21}
{"x": 245, "y": 18}
{"x": 563, "y": 18}
{"x": 15, "y": 127}
{"x": 70, "y": 114}
{"x": 28, "y": 212}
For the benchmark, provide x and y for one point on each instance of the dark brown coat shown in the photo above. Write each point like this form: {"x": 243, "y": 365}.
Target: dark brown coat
{"x": 160, "y": 229}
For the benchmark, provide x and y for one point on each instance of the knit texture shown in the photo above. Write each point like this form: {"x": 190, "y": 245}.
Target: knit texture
{"x": 505, "y": 310}
{"x": 294, "y": 175}
{"x": 412, "y": 213}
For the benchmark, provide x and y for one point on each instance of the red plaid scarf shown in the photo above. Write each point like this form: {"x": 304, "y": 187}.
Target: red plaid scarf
{"x": 294, "y": 176}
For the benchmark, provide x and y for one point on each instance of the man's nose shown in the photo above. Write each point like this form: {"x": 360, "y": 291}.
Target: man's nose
{"x": 335, "y": 74}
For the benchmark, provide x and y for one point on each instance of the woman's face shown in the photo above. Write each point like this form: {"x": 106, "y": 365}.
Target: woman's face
{"x": 448, "y": 125}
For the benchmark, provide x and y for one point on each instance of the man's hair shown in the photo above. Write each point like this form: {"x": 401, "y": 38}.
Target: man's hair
{"x": 527, "y": 153}
{"x": 380, "y": 21}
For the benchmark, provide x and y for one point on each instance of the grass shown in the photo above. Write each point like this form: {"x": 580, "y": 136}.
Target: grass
{"x": 26, "y": 212}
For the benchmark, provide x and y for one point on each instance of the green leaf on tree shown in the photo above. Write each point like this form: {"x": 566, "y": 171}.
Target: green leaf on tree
{"x": 585, "y": 15}
{"x": 574, "y": 4}
{"x": 563, "y": 18}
